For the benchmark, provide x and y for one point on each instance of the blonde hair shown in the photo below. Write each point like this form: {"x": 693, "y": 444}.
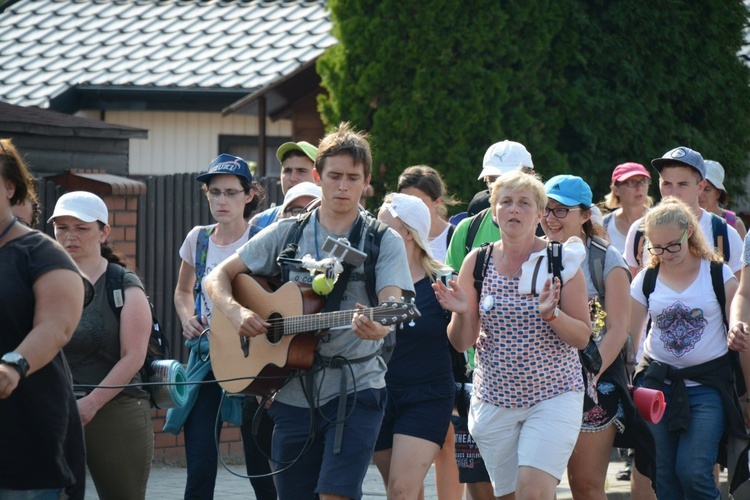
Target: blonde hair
{"x": 672, "y": 210}
{"x": 517, "y": 181}
{"x": 431, "y": 265}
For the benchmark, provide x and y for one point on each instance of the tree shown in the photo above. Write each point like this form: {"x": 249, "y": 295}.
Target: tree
{"x": 655, "y": 78}
{"x": 437, "y": 82}
{"x": 585, "y": 85}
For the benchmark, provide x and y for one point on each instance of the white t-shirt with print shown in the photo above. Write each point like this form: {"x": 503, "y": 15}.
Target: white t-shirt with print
{"x": 687, "y": 327}
{"x": 215, "y": 255}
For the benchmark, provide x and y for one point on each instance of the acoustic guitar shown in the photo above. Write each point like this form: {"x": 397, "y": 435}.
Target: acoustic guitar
{"x": 260, "y": 365}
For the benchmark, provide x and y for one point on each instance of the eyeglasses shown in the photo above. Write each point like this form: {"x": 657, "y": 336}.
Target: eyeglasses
{"x": 229, "y": 194}
{"x": 673, "y": 248}
{"x": 634, "y": 183}
{"x": 559, "y": 212}
{"x": 294, "y": 211}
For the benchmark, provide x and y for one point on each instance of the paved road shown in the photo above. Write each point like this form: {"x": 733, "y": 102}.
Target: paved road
{"x": 167, "y": 483}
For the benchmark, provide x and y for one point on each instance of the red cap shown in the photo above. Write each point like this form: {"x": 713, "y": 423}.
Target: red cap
{"x": 627, "y": 170}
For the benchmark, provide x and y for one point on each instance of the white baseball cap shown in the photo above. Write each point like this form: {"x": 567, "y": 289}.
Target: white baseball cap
{"x": 503, "y": 157}
{"x": 300, "y": 190}
{"x": 82, "y": 205}
{"x": 715, "y": 174}
{"x": 413, "y": 212}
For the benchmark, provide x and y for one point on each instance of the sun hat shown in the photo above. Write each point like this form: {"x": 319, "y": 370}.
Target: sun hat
{"x": 569, "y": 190}
{"x": 715, "y": 174}
{"x": 82, "y": 205}
{"x": 227, "y": 164}
{"x": 300, "y": 190}
{"x": 305, "y": 147}
{"x": 625, "y": 171}
{"x": 413, "y": 212}
{"x": 681, "y": 155}
{"x": 503, "y": 157}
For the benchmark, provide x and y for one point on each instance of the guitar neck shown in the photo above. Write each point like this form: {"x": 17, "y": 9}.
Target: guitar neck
{"x": 293, "y": 325}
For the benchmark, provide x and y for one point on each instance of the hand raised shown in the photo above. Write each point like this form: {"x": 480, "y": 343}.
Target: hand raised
{"x": 453, "y": 299}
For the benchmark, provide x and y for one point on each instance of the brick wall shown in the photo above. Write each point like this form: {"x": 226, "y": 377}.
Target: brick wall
{"x": 170, "y": 449}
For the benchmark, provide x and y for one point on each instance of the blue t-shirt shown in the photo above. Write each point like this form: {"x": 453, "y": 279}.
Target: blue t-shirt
{"x": 421, "y": 354}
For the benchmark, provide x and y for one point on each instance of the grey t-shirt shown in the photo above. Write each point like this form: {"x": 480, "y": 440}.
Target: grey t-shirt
{"x": 392, "y": 269}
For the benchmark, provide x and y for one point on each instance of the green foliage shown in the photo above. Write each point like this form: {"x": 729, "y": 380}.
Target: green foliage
{"x": 585, "y": 85}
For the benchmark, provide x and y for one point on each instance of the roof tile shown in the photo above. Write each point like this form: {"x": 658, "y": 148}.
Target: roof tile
{"x": 48, "y": 46}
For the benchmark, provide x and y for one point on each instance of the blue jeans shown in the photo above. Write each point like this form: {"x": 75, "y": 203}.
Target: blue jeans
{"x": 685, "y": 462}
{"x": 200, "y": 442}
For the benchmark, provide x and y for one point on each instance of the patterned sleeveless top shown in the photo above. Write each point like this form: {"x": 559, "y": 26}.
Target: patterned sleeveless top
{"x": 520, "y": 361}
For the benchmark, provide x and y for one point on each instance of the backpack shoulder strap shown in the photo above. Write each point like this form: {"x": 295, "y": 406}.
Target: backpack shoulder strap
{"x": 649, "y": 281}
{"x": 480, "y": 266}
{"x": 291, "y": 244}
{"x": 115, "y": 290}
{"x": 717, "y": 282}
{"x": 201, "y": 251}
{"x": 638, "y": 242}
{"x": 721, "y": 237}
{"x": 476, "y": 221}
{"x": 597, "y": 256}
{"x": 373, "y": 238}
{"x": 451, "y": 230}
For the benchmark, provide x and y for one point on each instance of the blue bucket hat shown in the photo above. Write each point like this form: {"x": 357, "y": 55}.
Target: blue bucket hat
{"x": 569, "y": 190}
{"x": 682, "y": 156}
{"x": 227, "y": 164}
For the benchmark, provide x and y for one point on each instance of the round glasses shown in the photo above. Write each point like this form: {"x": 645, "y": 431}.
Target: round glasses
{"x": 673, "y": 248}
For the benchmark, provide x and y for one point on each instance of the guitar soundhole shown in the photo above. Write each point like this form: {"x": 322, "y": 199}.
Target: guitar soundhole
{"x": 276, "y": 332}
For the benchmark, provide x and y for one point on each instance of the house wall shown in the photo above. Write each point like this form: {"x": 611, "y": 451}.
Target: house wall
{"x": 183, "y": 142}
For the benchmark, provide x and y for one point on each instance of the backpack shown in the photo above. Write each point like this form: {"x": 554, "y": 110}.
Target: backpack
{"x": 373, "y": 236}
{"x": 158, "y": 344}
{"x": 476, "y": 221}
{"x": 718, "y": 228}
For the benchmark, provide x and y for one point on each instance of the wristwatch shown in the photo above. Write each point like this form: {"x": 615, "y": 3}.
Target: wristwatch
{"x": 16, "y": 361}
{"x": 555, "y": 314}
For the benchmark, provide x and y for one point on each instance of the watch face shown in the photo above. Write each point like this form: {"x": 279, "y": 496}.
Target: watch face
{"x": 13, "y": 358}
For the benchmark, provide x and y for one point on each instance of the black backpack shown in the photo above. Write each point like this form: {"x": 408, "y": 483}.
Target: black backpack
{"x": 158, "y": 345}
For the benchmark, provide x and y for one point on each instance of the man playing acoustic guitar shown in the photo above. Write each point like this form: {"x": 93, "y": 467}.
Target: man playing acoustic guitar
{"x": 328, "y": 418}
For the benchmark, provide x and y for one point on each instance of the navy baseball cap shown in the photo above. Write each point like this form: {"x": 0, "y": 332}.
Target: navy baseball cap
{"x": 681, "y": 156}
{"x": 227, "y": 164}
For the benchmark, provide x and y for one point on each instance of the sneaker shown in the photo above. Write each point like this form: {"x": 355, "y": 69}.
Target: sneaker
{"x": 623, "y": 475}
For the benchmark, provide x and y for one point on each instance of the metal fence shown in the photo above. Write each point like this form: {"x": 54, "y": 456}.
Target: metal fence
{"x": 172, "y": 205}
